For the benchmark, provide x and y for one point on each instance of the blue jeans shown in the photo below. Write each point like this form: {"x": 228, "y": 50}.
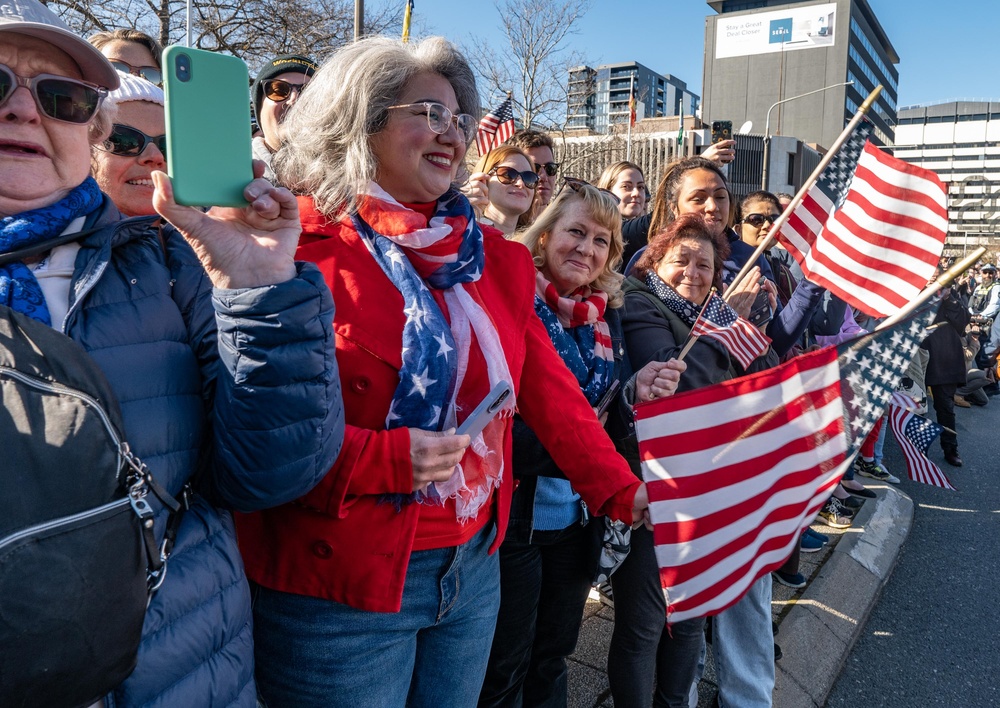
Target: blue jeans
{"x": 743, "y": 649}
{"x": 880, "y": 443}
{"x": 433, "y": 652}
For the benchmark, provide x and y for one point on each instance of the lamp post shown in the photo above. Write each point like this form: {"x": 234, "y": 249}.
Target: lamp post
{"x": 767, "y": 126}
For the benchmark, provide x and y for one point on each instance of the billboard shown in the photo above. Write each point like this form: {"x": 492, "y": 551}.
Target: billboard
{"x": 775, "y": 31}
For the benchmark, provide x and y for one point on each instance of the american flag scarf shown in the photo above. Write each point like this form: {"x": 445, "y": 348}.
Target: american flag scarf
{"x": 576, "y": 326}
{"x": 444, "y": 253}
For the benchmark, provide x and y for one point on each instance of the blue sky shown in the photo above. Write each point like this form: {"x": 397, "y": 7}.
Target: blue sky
{"x": 946, "y": 50}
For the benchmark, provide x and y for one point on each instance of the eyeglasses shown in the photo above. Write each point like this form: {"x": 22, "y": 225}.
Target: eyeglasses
{"x": 58, "y": 97}
{"x": 150, "y": 73}
{"x": 577, "y": 185}
{"x": 550, "y": 168}
{"x": 508, "y": 175}
{"x": 440, "y": 118}
{"x": 130, "y": 142}
{"x": 278, "y": 90}
{"x": 757, "y": 220}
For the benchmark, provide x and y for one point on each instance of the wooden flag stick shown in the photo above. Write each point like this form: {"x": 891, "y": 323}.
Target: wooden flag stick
{"x": 806, "y": 186}
{"x": 942, "y": 282}
{"x": 692, "y": 338}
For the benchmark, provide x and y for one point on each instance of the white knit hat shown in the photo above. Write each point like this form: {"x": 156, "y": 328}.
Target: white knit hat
{"x": 134, "y": 88}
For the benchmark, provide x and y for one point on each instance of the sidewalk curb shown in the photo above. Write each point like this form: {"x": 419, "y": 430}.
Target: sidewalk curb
{"x": 819, "y": 631}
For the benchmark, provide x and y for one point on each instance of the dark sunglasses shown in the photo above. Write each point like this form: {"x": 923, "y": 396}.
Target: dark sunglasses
{"x": 129, "y": 142}
{"x": 278, "y": 90}
{"x": 150, "y": 73}
{"x": 550, "y": 168}
{"x": 757, "y": 220}
{"x": 57, "y": 97}
{"x": 508, "y": 175}
{"x": 577, "y": 185}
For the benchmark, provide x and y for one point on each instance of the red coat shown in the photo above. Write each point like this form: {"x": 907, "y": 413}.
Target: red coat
{"x": 337, "y": 542}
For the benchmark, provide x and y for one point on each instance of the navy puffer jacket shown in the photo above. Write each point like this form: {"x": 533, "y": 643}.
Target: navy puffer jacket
{"x": 244, "y": 380}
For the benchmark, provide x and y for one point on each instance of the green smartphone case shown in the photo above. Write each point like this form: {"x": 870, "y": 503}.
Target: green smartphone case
{"x": 209, "y": 157}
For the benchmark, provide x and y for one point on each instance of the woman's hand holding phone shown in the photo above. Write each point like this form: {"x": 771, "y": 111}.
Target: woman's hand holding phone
{"x": 244, "y": 247}
{"x": 434, "y": 456}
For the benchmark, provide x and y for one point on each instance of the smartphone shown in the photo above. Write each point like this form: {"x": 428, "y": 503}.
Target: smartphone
{"x": 722, "y": 130}
{"x": 760, "y": 312}
{"x": 609, "y": 396}
{"x": 485, "y": 411}
{"x": 208, "y": 126}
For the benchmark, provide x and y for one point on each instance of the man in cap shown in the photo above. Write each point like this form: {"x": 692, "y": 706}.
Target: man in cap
{"x": 986, "y": 299}
{"x": 276, "y": 89}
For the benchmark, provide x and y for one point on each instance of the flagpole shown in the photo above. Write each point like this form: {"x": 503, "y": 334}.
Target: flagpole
{"x": 942, "y": 282}
{"x": 694, "y": 338}
{"x": 806, "y": 186}
{"x": 631, "y": 94}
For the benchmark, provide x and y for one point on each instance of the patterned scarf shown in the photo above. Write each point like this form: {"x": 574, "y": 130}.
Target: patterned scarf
{"x": 577, "y": 328}
{"x": 687, "y": 311}
{"x": 444, "y": 253}
{"x": 19, "y": 289}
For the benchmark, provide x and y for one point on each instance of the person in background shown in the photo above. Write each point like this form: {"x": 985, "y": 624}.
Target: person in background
{"x": 538, "y": 146}
{"x": 208, "y": 354}
{"x": 506, "y": 180}
{"x": 380, "y": 587}
{"x": 985, "y": 301}
{"x": 132, "y": 52}
{"x": 123, "y": 164}
{"x": 278, "y": 86}
{"x": 548, "y": 559}
{"x": 626, "y": 181}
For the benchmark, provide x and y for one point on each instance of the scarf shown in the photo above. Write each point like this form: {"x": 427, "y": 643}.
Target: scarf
{"x": 579, "y": 333}
{"x": 19, "y": 289}
{"x": 445, "y": 253}
{"x": 687, "y": 311}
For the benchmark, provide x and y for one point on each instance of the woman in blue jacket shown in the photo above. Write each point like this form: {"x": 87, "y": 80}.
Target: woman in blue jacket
{"x": 231, "y": 371}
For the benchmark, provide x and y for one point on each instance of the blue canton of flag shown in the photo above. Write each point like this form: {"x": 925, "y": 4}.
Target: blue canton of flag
{"x": 836, "y": 178}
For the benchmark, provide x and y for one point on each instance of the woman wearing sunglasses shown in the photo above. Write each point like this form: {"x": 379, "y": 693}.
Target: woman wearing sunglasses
{"x": 508, "y": 178}
{"x": 380, "y": 586}
{"x": 131, "y": 52}
{"x": 124, "y": 163}
{"x": 174, "y": 343}
{"x": 279, "y": 84}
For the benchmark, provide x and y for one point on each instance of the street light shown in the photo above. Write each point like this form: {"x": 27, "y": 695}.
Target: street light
{"x": 767, "y": 126}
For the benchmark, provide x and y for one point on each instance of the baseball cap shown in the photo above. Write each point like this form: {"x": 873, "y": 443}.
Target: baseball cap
{"x": 989, "y": 268}
{"x": 31, "y": 18}
{"x": 277, "y": 66}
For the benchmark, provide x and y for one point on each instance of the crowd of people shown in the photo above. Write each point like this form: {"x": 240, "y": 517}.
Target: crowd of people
{"x": 314, "y": 354}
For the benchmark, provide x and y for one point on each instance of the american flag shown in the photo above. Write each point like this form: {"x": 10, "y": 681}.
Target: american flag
{"x": 735, "y": 471}
{"x": 719, "y": 321}
{"x": 495, "y": 127}
{"x": 915, "y": 434}
{"x": 871, "y": 230}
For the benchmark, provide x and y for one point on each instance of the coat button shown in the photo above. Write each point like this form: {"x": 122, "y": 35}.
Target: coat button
{"x": 360, "y": 384}
{"x": 321, "y": 549}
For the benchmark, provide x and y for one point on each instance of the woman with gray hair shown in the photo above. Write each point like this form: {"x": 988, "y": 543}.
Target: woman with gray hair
{"x": 380, "y": 586}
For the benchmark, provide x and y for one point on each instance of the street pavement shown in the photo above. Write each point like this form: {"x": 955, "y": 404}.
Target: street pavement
{"x": 925, "y": 630}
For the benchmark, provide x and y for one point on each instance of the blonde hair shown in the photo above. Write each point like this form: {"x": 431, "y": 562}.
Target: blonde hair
{"x": 327, "y": 151}
{"x": 604, "y": 211}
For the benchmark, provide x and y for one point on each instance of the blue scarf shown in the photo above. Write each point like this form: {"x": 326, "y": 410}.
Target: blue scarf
{"x": 19, "y": 289}
{"x": 576, "y": 347}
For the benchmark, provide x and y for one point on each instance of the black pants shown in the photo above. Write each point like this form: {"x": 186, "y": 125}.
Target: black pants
{"x": 642, "y": 652}
{"x": 944, "y": 408}
{"x": 543, "y": 592}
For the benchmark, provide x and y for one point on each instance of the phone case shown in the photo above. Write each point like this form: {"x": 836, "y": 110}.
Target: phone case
{"x": 209, "y": 158}
{"x": 722, "y": 130}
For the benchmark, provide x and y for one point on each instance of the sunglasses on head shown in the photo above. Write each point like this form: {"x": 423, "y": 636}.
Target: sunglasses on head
{"x": 508, "y": 175}
{"x": 278, "y": 90}
{"x": 577, "y": 185}
{"x": 550, "y": 168}
{"x": 440, "y": 118}
{"x": 149, "y": 73}
{"x": 757, "y": 220}
{"x": 57, "y": 97}
{"x": 130, "y": 142}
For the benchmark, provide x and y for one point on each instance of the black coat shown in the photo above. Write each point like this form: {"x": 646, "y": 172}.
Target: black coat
{"x": 947, "y": 360}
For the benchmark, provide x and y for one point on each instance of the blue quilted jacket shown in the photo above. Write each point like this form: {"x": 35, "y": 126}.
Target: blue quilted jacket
{"x": 244, "y": 381}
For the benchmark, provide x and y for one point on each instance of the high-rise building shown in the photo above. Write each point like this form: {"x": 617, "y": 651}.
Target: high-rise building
{"x": 764, "y": 52}
{"x": 960, "y": 141}
{"x": 598, "y": 99}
